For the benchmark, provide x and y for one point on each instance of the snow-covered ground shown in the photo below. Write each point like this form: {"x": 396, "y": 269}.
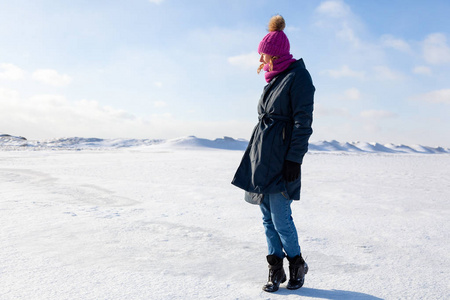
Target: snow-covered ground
{"x": 160, "y": 220}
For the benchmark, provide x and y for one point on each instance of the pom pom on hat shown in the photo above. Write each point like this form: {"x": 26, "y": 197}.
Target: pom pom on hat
{"x": 275, "y": 43}
{"x": 277, "y": 23}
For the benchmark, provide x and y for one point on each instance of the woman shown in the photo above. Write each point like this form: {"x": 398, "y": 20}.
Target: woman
{"x": 270, "y": 168}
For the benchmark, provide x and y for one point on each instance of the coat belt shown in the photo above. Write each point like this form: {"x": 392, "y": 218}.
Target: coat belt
{"x": 274, "y": 117}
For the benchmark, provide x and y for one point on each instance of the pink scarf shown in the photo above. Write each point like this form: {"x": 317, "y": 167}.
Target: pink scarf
{"x": 279, "y": 65}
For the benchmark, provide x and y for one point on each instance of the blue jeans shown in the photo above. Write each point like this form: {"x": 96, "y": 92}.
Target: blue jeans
{"x": 279, "y": 226}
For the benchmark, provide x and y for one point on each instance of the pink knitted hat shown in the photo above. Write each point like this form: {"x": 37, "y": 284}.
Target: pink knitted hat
{"x": 275, "y": 43}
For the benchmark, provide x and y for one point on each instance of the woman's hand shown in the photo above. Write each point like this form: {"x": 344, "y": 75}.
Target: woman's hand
{"x": 291, "y": 170}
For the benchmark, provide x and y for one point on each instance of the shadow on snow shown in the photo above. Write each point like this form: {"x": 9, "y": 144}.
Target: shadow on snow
{"x": 327, "y": 294}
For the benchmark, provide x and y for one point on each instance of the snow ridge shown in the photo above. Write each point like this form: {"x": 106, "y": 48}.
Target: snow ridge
{"x": 8, "y": 142}
{"x": 364, "y": 147}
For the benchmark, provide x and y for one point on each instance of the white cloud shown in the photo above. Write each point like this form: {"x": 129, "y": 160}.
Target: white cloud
{"x": 245, "y": 61}
{"x": 326, "y": 111}
{"x": 51, "y": 116}
{"x": 158, "y": 83}
{"x": 435, "y": 49}
{"x": 377, "y": 114}
{"x": 438, "y": 96}
{"x": 8, "y": 94}
{"x": 352, "y": 94}
{"x": 338, "y": 17}
{"x": 11, "y": 72}
{"x": 395, "y": 43}
{"x": 159, "y": 104}
{"x": 336, "y": 9}
{"x": 346, "y": 33}
{"x": 45, "y": 101}
{"x": 156, "y": 1}
{"x": 59, "y": 108}
{"x": 44, "y": 116}
{"x": 51, "y": 77}
{"x": 385, "y": 73}
{"x": 423, "y": 70}
{"x": 345, "y": 71}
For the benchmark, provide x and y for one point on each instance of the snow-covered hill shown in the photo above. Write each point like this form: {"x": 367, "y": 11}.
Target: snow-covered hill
{"x": 373, "y": 147}
{"x": 8, "y": 142}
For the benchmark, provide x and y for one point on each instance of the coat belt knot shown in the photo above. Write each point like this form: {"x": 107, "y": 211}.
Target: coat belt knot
{"x": 263, "y": 116}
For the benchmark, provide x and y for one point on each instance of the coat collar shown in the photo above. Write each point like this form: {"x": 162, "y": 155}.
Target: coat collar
{"x": 296, "y": 64}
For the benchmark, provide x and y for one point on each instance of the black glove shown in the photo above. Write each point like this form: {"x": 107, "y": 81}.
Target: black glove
{"x": 291, "y": 170}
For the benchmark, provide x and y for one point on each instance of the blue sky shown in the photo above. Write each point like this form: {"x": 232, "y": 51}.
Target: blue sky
{"x": 168, "y": 68}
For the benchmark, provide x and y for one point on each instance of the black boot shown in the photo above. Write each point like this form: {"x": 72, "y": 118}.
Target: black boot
{"x": 297, "y": 270}
{"x": 276, "y": 274}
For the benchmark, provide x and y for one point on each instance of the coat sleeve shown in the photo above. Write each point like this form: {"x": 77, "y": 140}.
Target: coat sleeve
{"x": 302, "y": 104}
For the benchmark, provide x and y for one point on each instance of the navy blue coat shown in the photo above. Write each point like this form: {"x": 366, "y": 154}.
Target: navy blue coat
{"x": 282, "y": 133}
